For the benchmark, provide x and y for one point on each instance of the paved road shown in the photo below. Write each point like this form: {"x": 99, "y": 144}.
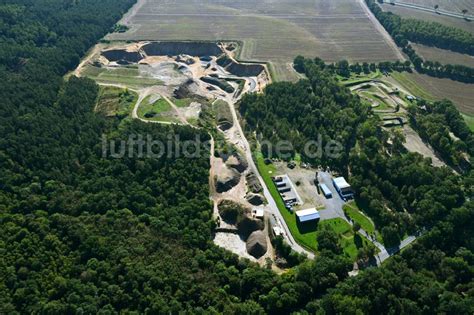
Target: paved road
{"x": 334, "y": 210}
{"x": 431, "y": 10}
{"x": 333, "y": 205}
{"x": 272, "y": 207}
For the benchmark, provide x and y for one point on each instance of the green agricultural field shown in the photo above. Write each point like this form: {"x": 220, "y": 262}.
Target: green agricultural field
{"x": 114, "y": 101}
{"x": 155, "y": 111}
{"x": 274, "y": 32}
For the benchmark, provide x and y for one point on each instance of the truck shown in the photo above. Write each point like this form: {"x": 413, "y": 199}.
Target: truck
{"x": 326, "y": 192}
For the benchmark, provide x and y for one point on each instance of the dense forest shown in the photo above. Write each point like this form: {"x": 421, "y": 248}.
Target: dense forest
{"x": 305, "y": 111}
{"x": 441, "y": 125}
{"x": 391, "y": 187}
{"x": 92, "y": 235}
{"x": 432, "y": 34}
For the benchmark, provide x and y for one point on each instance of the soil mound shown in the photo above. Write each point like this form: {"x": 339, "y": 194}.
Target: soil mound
{"x": 122, "y": 56}
{"x": 253, "y": 183}
{"x": 231, "y": 211}
{"x": 199, "y": 49}
{"x": 227, "y": 179}
{"x": 248, "y": 225}
{"x": 237, "y": 162}
{"x": 219, "y": 83}
{"x": 187, "y": 90}
{"x": 257, "y": 244}
{"x": 255, "y": 199}
{"x": 224, "y": 117}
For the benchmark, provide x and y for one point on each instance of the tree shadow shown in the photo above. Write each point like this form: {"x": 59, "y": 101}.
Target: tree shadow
{"x": 359, "y": 243}
{"x": 307, "y": 227}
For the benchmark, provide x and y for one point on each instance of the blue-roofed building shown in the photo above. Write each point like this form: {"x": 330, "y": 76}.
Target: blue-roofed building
{"x": 307, "y": 215}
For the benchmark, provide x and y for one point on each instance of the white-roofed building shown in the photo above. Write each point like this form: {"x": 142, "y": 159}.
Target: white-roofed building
{"x": 307, "y": 215}
{"x": 258, "y": 213}
{"x": 343, "y": 187}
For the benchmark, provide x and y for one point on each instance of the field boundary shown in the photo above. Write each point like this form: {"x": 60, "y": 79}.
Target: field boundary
{"x": 428, "y": 9}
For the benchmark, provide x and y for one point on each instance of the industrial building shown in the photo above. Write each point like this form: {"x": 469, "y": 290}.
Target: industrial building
{"x": 343, "y": 188}
{"x": 307, "y": 215}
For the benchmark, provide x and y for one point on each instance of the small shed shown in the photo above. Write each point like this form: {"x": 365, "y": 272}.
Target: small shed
{"x": 258, "y": 213}
{"x": 277, "y": 231}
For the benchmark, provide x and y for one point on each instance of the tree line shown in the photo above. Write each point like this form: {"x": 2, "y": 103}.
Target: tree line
{"x": 425, "y": 32}
{"x": 441, "y": 125}
{"x": 428, "y": 33}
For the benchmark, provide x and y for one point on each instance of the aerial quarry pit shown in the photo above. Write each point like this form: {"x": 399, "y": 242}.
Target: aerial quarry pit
{"x": 237, "y": 157}
{"x": 182, "y": 82}
{"x": 175, "y": 83}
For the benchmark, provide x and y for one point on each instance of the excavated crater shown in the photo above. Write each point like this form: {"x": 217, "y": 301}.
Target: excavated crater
{"x": 199, "y": 49}
{"x": 121, "y": 55}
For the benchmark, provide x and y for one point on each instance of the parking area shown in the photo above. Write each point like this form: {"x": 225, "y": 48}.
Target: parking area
{"x": 304, "y": 190}
{"x": 288, "y": 191}
{"x": 333, "y": 205}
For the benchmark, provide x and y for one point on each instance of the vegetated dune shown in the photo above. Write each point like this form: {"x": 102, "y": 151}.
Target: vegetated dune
{"x": 122, "y": 55}
{"x": 198, "y": 49}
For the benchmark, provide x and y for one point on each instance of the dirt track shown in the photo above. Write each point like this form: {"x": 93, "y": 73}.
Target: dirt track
{"x": 415, "y": 144}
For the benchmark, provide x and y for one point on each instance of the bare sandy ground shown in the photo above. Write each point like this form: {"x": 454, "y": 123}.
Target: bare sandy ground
{"x": 415, "y": 144}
